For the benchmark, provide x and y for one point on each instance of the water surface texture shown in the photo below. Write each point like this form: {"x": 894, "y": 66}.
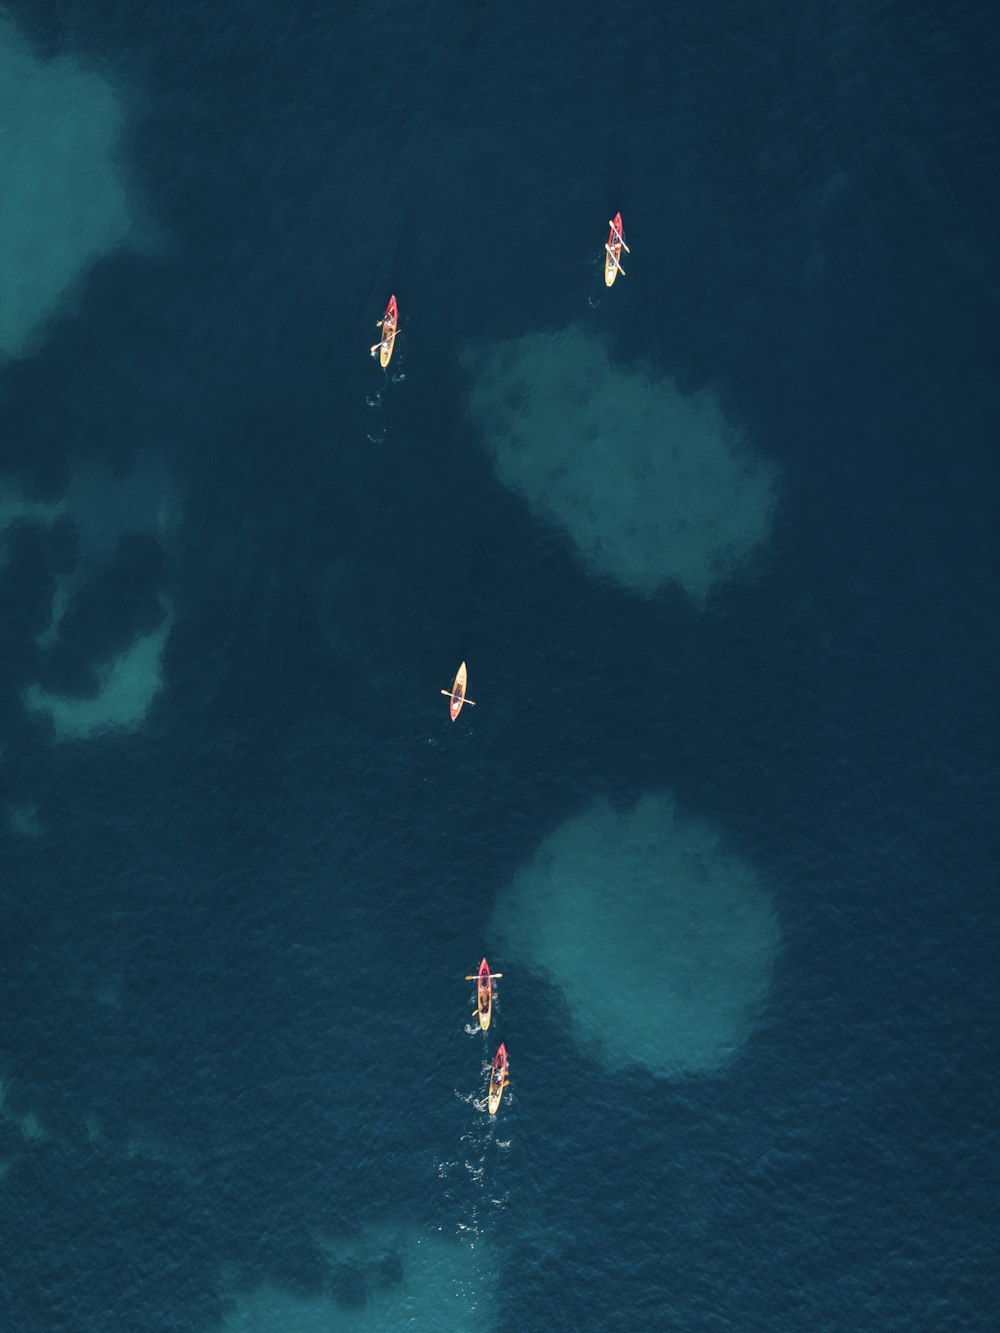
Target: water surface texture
{"x": 719, "y": 546}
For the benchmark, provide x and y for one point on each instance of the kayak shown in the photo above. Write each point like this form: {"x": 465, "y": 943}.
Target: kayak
{"x": 613, "y": 252}
{"x": 484, "y": 995}
{"x": 390, "y": 327}
{"x": 498, "y": 1078}
{"x": 485, "y": 981}
{"x": 457, "y": 697}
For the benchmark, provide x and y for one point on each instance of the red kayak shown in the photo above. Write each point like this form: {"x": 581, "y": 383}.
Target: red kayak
{"x": 389, "y": 324}
{"x": 613, "y": 251}
{"x": 484, "y": 994}
{"x": 498, "y": 1078}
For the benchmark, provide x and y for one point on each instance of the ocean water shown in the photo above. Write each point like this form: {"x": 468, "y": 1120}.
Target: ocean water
{"x": 246, "y": 860}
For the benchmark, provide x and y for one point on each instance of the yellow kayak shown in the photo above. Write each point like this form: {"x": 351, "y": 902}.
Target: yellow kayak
{"x": 390, "y": 327}
{"x": 498, "y": 1079}
{"x": 613, "y": 252}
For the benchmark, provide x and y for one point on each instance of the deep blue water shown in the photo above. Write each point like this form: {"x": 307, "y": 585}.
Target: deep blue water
{"x": 231, "y": 994}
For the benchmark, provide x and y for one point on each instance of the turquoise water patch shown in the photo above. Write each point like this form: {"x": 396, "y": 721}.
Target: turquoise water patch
{"x": 652, "y": 485}
{"x": 387, "y": 1279}
{"x": 128, "y": 684}
{"x": 661, "y": 939}
{"x": 64, "y": 202}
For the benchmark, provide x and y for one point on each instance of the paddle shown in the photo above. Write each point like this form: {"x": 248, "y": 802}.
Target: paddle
{"x": 450, "y": 694}
{"x": 620, "y": 237}
{"x": 475, "y": 975}
{"x": 387, "y": 337}
{"x": 618, "y": 266}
